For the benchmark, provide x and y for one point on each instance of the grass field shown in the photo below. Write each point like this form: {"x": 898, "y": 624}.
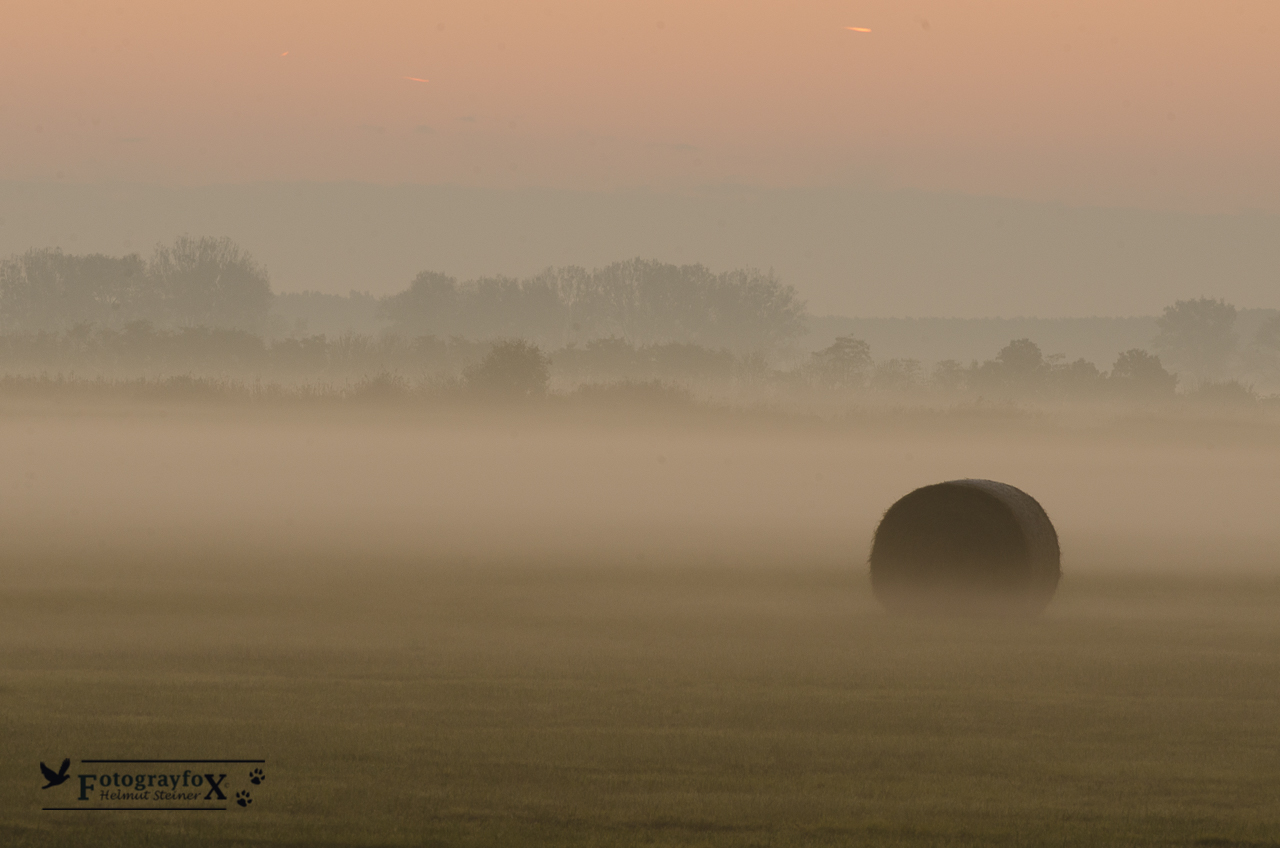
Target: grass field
{"x": 513, "y": 633}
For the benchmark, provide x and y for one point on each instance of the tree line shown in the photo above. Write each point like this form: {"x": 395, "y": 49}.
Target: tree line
{"x": 212, "y": 282}
{"x": 1020, "y": 370}
{"x": 519, "y": 368}
{"x": 643, "y": 301}
{"x": 204, "y": 303}
{"x": 140, "y": 348}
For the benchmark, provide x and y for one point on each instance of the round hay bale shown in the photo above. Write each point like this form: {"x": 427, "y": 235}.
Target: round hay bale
{"x": 966, "y": 546}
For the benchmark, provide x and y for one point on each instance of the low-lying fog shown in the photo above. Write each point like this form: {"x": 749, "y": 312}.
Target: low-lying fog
{"x": 157, "y": 487}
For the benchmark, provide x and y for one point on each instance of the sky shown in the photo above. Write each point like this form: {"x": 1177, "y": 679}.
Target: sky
{"x": 1155, "y": 105}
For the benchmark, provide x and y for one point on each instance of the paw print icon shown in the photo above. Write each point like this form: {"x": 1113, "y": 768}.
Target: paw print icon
{"x": 256, "y": 776}
{"x": 243, "y": 799}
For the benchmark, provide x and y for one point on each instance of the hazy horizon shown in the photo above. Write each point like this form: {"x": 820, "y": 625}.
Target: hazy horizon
{"x": 853, "y": 252}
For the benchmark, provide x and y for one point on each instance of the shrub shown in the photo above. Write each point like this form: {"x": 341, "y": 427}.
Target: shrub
{"x": 513, "y": 369}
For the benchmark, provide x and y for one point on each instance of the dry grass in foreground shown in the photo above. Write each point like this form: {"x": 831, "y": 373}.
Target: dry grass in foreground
{"x": 678, "y": 705}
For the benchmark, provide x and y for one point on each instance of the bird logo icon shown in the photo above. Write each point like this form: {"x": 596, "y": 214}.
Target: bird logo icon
{"x": 56, "y": 778}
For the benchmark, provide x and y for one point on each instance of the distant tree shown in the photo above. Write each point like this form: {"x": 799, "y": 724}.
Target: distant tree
{"x": 1268, "y": 335}
{"x": 647, "y": 301}
{"x": 1019, "y": 368}
{"x": 612, "y": 358}
{"x": 48, "y": 290}
{"x": 1022, "y": 361}
{"x": 949, "y": 376}
{"x": 436, "y": 304}
{"x": 752, "y": 310}
{"x": 310, "y": 313}
{"x": 896, "y": 375}
{"x": 1228, "y": 393}
{"x": 752, "y": 369}
{"x": 495, "y": 307}
{"x": 1080, "y": 377}
{"x": 220, "y": 348}
{"x": 542, "y": 310}
{"x": 1261, "y": 357}
{"x": 617, "y": 359}
{"x": 1198, "y": 335}
{"x": 512, "y": 369}
{"x": 428, "y": 307}
{"x": 680, "y": 360}
{"x": 844, "y": 363}
{"x": 1140, "y": 374}
{"x": 211, "y": 282}
{"x": 642, "y": 301}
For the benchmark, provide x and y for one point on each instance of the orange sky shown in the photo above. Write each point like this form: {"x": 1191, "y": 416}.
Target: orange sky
{"x": 1155, "y": 103}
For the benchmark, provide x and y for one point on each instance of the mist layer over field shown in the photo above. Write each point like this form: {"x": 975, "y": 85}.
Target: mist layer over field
{"x": 489, "y": 627}
{"x": 477, "y": 486}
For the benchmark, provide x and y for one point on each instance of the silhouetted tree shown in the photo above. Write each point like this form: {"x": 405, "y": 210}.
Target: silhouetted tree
{"x": 1140, "y": 374}
{"x": 1198, "y": 334}
{"x": 211, "y": 282}
{"x": 512, "y": 369}
{"x": 752, "y": 310}
{"x": 51, "y": 290}
{"x": 495, "y": 306}
{"x": 742, "y": 310}
{"x": 310, "y": 313}
{"x": 949, "y": 376}
{"x": 1078, "y": 378}
{"x": 428, "y": 307}
{"x": 615, "y": 359}
{"x": 1019, "y": 368}
{"x": 1022, "y": 361}
{"x": 643, "y": 301}
{"x": 1228, "y": 393}
{"x": 1268, "y": 334}
{"x": 679, "y": 360}
{"x": 896, "y": 375}
{"x": 843, "y": 363}
{"x": 612, "y": 358}
{"x": 1261, "y": 357}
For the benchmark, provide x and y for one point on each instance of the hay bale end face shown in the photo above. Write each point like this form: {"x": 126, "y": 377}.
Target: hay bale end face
{"x": 966, "y": 546}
